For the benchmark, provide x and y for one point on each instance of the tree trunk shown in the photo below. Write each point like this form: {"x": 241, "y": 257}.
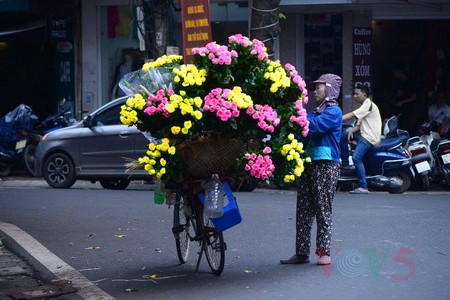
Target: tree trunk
{"x": 264, "y": 24}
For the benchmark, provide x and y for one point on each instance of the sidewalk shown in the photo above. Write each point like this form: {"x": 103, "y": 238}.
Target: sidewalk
{"x": 19, "y": 281}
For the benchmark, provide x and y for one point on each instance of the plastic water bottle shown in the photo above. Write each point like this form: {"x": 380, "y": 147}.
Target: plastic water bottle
{"x": 214, "y": 193}
{"x": 159, "y": 192}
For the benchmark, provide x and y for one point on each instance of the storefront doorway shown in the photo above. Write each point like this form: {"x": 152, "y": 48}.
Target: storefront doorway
{"x": 421, "y": 46}
{"x": 27, "y": 74}
{"x": 37, "y": 55}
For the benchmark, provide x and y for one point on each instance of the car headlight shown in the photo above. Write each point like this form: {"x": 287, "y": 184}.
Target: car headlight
{"x": 44, "y": 137}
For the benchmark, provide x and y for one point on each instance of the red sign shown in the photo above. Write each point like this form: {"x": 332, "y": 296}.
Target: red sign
{"x": 362, "y": 58}
{"x": 196, "y": 26}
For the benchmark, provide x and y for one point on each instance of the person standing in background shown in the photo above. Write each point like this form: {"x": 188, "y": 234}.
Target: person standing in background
{"x": 128, "y": 64}
{"x": 404, "y": 97}
{"x": 439, "y": 112}
{"x": 317, "y": 184}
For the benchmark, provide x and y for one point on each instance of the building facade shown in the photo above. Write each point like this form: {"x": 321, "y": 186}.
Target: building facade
{"x": 359, "y": 40}
{"x": 364, "y": 39}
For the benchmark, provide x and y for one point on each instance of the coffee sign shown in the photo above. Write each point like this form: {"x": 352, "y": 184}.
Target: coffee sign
{"x": 362, "y": 58}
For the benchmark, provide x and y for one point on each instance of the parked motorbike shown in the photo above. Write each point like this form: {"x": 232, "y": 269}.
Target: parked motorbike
{"x": 11, "y": 140}
{"x": 421, "y": 161}
{"x": 387, "y": 165}
{"x": 439, "y": 149}
{"x": 7, "y": 163}
{"x": 31, "y": 137}
{"x": 21, "y": 131}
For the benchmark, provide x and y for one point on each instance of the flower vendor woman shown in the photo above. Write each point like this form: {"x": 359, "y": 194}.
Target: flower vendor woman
{"x": 317, "y": 185}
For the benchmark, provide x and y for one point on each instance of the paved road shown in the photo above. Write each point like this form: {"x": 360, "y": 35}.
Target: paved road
{"x": 384, "y": 246}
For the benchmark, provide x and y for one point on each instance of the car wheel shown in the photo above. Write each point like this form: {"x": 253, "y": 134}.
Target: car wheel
{"x": 114, "y": 184}
{"x": 59, "y": 171}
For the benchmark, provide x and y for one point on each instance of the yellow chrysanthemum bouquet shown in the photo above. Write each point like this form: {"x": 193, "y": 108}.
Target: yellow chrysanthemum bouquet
{"x": 232, "y": 100}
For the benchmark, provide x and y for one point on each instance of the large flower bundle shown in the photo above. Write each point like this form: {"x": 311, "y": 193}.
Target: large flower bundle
{"x": 232, "y": 91}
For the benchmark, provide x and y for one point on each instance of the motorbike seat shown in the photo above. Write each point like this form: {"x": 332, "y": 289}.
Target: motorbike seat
{"x": 386, "y": 144}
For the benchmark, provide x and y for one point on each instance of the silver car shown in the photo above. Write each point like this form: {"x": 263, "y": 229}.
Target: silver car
{"x": 96, "y": 149}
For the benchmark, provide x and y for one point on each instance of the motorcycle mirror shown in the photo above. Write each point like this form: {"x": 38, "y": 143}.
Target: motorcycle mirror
{"x": 391, "y": 126}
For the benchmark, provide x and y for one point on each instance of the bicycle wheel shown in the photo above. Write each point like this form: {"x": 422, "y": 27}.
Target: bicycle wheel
{"x": 214, "y": 246}
{"x": 181, "y": 227}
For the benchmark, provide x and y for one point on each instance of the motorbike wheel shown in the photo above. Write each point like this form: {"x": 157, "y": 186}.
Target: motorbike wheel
{"x": 29, "y": 157}
{"x": 59, "y": 171}
{"x": 5, "y": 170}
{"x": 405, "y": 179}
{"x": 447, "y": 177}
{"x": 114, "y": 184}
{"x": 345, "y": 186}
{"x": 424, "y": 182}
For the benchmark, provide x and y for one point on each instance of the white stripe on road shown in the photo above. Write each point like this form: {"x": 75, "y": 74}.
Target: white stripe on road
{"x": 85, "y": 288}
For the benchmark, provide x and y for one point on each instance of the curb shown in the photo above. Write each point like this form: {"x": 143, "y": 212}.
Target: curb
{"x": 38, "y": 182}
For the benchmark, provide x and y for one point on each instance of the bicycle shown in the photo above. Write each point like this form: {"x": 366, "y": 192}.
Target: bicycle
{"x": 191, "y": 225}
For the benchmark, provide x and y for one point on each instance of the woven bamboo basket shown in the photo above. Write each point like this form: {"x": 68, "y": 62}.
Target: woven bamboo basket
{"x": 213, "y": 154}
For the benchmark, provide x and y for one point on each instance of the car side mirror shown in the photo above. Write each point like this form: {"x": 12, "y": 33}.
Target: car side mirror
{"x": 87, "y": 121}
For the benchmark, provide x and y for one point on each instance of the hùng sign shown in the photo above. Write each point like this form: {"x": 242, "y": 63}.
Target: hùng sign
{"x": 362, "y": 56}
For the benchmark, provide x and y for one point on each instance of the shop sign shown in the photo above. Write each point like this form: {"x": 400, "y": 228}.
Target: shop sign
{"x": 58, "y": 28}
{"x": 64, "y": 47}
{"x": 196, "y": 26}
{"x": 362, "y": 58}
{"x": 65, "y": 73}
